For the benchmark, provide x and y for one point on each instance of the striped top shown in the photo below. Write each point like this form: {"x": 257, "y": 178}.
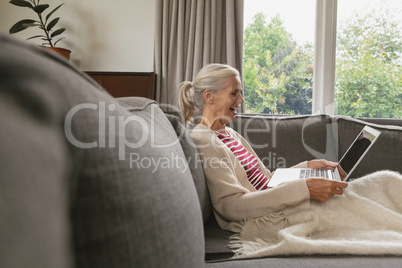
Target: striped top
{"x": 248, "y": 161}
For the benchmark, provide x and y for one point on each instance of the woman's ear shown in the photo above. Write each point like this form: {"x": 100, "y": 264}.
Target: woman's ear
{"x": 208, "y": 96}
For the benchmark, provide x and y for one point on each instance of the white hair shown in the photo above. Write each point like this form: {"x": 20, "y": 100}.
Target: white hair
{"x": 212, "y": 77}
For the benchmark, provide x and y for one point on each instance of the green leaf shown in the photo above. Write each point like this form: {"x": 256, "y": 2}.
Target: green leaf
{"x": 21, "y": 3}
{"x": 58, "y": 41}
{"x": 40, "y": 8}
{"x": 52, "y": 24}
{"x": 58, "y": 32}
{"x": 54, "y": 10}
{"x": 36, "y": 36}
{"x": 22, "y": 25}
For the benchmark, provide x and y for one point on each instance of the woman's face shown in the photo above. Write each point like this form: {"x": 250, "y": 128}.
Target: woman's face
{"x": 228, "y": 100}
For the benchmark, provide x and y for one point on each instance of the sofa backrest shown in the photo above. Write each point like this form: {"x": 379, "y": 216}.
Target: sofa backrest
{"x": 284, "y": 141}
{"x": 385, "y": 153}
{"x": 382, "y": 121}
{"x": 89, "y": 181}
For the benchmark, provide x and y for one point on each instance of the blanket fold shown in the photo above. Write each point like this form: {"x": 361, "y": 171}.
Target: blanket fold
{"x": 365, "y": 220}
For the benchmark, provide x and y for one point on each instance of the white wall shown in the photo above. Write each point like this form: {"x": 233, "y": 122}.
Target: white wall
{"x": 102, "y": 35}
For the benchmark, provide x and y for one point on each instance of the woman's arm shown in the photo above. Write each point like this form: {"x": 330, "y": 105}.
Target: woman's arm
{"x": 239, "y": 206}
{"x": 227, "y": 181}
{"x": 230, "y": 196}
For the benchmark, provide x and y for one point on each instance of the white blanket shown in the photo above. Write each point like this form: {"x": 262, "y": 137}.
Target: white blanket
{"x": 365, "y": 220}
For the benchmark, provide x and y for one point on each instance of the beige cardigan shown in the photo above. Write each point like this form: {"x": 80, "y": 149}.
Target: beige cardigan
{"x": 232, "y": 195}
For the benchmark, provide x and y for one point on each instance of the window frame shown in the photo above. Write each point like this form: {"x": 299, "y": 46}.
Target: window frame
{"x": 324, "y": 57}
{"x": 323, "y": 98}
{"x": 324, "y": 65}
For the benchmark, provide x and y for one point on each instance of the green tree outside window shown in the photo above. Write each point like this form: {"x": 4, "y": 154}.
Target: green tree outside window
{"x": 369, "y": 66}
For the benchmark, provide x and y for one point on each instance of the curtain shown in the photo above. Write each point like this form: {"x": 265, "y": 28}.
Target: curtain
{"x": 190, "y": 34}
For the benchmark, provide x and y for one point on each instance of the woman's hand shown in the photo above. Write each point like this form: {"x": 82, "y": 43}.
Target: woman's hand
{"x": 322, "y": 189}
{"x": 324, "y": 164}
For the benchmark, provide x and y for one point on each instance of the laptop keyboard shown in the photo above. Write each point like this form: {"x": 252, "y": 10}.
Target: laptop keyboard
{"x": 314, "y": 173}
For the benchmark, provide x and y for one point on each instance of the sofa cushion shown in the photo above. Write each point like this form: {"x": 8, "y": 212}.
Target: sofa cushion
{"x": 284, "y": 141}
{"x": 109, "y": 168}
{"x": 195, "y": 165}
{"x": 35, "y": 163}
{"x": 34, "y": 219}
{"x": 385, "y": 153}
{"x": 217, "y": 241}
{"x": 297, "y": 261}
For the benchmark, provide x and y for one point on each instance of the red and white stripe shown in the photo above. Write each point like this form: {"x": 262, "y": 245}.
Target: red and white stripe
{"x": 248, "y": 161}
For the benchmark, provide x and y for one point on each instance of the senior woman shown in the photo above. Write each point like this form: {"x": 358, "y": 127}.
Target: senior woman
{"x": 236, "y": 177}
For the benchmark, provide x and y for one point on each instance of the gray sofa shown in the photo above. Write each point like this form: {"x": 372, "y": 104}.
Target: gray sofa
{"x": 92, "y": 181}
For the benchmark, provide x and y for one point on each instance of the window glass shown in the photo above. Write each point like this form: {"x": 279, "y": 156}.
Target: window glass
{"x": 278, "y": 56}
{"x": 368, "y": 79}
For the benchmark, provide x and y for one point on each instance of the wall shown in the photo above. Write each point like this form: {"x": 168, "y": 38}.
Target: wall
{"x": 102, "y": 35}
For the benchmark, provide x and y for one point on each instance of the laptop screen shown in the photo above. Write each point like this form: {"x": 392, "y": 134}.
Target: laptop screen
{"x": 358, "y": 148}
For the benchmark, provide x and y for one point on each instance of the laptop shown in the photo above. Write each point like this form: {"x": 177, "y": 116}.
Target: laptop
{"x": 349, "y": 161}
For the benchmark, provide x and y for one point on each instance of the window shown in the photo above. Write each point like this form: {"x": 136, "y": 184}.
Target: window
{"x": 351, "y": 67}
{"x": 368, "y": 78}
{"x": 278, "y": 56}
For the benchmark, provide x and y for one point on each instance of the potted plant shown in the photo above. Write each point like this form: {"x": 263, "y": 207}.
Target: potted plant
{"x": 46, "y": 24}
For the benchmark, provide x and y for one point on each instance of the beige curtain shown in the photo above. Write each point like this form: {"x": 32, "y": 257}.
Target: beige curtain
{"x": 190, "y": 34}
